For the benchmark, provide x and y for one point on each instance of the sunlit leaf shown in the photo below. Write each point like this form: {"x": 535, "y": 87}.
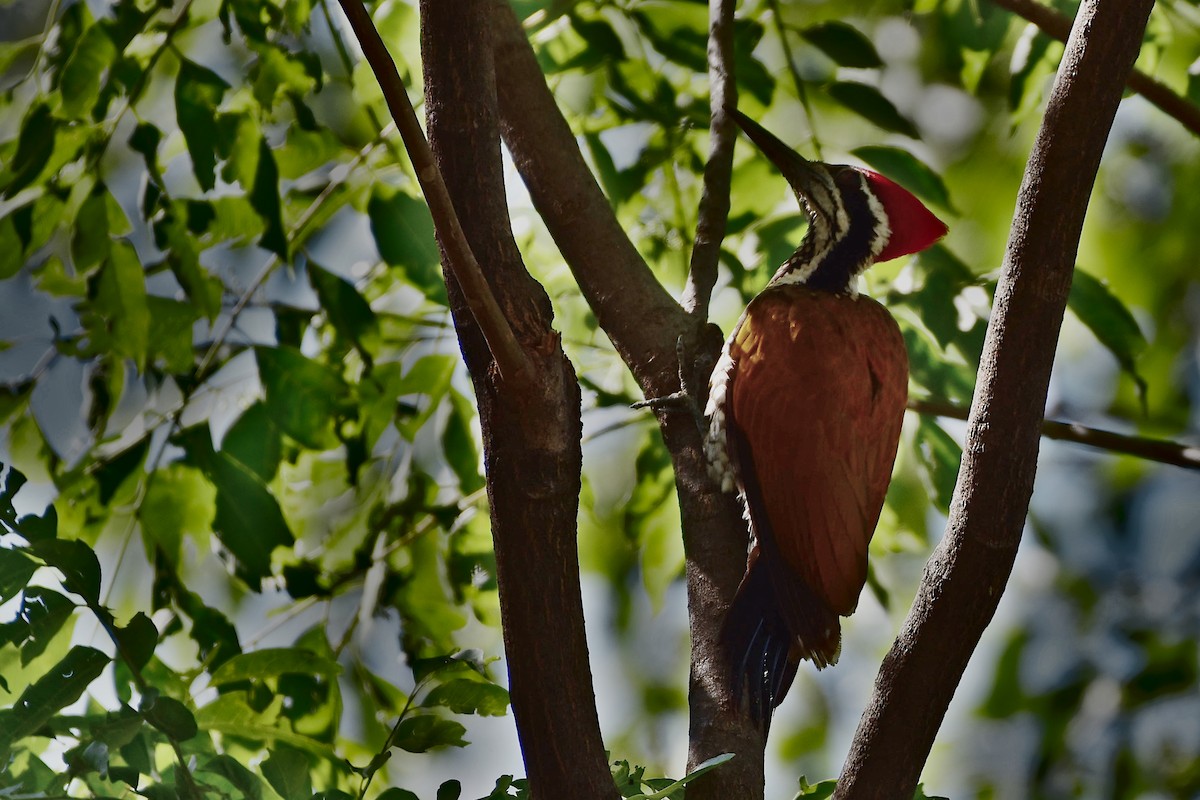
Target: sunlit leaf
{"x": 287, "y": 771}
{"x": 89, "y": 61}
{"x": 467, "y": 696}
{"x": 272, "y": 662}
{"x": 61, "y": 686}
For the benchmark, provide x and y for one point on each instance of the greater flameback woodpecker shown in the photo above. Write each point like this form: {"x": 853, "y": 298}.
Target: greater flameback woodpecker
{"x": 804, "y": 418}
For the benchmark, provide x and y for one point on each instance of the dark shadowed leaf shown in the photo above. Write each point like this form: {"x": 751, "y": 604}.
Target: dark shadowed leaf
{"x": 169, "y": 715}
{"x": 403, "y": 231}
{"x": 846, "y": 45}
{"x": 449, "y": 790}
{"x": 265, "y": 200}
{"x": 396, "y": 793}
{"x": 347, "y": 310}
{"x": 287, "y": 770}
{"x": 16, "y": 569}
{"x": 869, "y": 103}
{"x": 248, "y": 785}
{"x": 248, "y": 519}
{"x": 910, "y": 172}
{"x": 198, "y": 92}
{"x": 423, "y": 732}
{"x": 43, "y": 613}
{"x": 305, "y": 398}
{"x": 1107, "y": 317}
{"x": 34, "y": 148}
{"x": 255, "y": 441}
{"x": 137, "y": 640}
{"x": 76, "y": 561}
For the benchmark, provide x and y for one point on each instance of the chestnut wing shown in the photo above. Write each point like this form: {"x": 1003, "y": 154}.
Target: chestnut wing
{"x": 817, "y": 398}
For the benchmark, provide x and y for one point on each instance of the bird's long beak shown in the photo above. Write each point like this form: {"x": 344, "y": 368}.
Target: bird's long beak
{"x": 803, "y": 175}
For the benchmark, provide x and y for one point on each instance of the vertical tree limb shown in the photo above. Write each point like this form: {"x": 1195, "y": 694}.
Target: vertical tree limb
{"x": 718, "y": 170}
{"x": 531, "y": 431}
{"x": 644, "y": 323}
{"x": 510, "y": 359}
{"x": 967, "y": 573}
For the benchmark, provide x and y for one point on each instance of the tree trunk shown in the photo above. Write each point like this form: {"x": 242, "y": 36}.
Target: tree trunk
{"x": 531, "y": 427}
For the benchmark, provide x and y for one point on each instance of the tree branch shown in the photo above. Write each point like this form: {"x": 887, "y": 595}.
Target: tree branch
{"x": 644, "y": 324}
{"x": 967, "y": 573}
{"x": 510, "y": 358}
{"x": 1058, "y": 26}
{"x": 1160, "y": 450}
{"x": 531, "y": 429}
{"x": 718, "y": 171}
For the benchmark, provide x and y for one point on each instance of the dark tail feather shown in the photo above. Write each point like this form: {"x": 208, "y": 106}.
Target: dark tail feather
{"x": 761, "y": 644}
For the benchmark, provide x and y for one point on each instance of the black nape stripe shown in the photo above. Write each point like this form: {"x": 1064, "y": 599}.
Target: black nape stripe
{"x": 851, "y": 252}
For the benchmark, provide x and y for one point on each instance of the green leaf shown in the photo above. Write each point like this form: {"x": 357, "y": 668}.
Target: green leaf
{"x": 230, "y": 714}
{"x": 168, "y": 715}
{"x": 80, "y": 85}
{"x": 273, "y": 662}
{"x": 403, "y": 230}
{"x": 179, "y": 502}
{"x": 34, "y": 148}
{"x": 90, "y": 242}
{"x": 449, "y": 790}
{"x": 16, "y": 569}
{"x": 305, "y": 398}
{"x": 248, "y": 785}
{"x": 816, "y": 791}
{"x": 396, "y": 793}
{"x": 350, "y": 314}
{"x": 870, "y": 104}
{"x": 423, "y": 732}
{"x": 706, "y": 766}
{"x": 287, "y": 770}
{"x": 254, "y": 440}
{"x": 846, "y": 45}
{"x": 264, "y": 197}
{"x": 171, "y": 341}
{"x": 76, "y": 561}
{"x": 248, "y": 519}
{"x": 12, "y": 252}
{"x": 120, "y": 301}
{"x": 906, "y": 169}
{"x": 198, "y": 92}
{"x": 137, "y": 640}
{"x": 43, "y": 613}
{"x": 1107, "y": 317}
{"x": 113, "y": 472}
{"x": 458, "y": 443}
{"x": 468, "y": 696}
{"x": 939, "y": 456}
{"x": 61, "y": 686}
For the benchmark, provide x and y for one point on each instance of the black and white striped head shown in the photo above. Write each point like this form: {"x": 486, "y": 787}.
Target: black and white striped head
{"x": 856, "y": 217}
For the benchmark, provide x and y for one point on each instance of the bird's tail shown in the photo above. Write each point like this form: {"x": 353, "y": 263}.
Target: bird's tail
{"x": 775, "y": 622}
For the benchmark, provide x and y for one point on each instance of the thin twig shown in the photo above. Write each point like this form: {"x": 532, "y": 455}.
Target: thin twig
{"x": 1160, "y": 450}
{"x": 509, "y": 356}
{"x": 718, "y": 172}
{"x": 1058, "y": 26}
{"x": 797, "y": 79}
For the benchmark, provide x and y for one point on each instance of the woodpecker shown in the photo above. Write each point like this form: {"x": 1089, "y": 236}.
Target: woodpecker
{"x": 804, "y": 414}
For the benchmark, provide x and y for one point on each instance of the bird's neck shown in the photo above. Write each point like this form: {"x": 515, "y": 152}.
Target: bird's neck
{"x": 838, "y": 246}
